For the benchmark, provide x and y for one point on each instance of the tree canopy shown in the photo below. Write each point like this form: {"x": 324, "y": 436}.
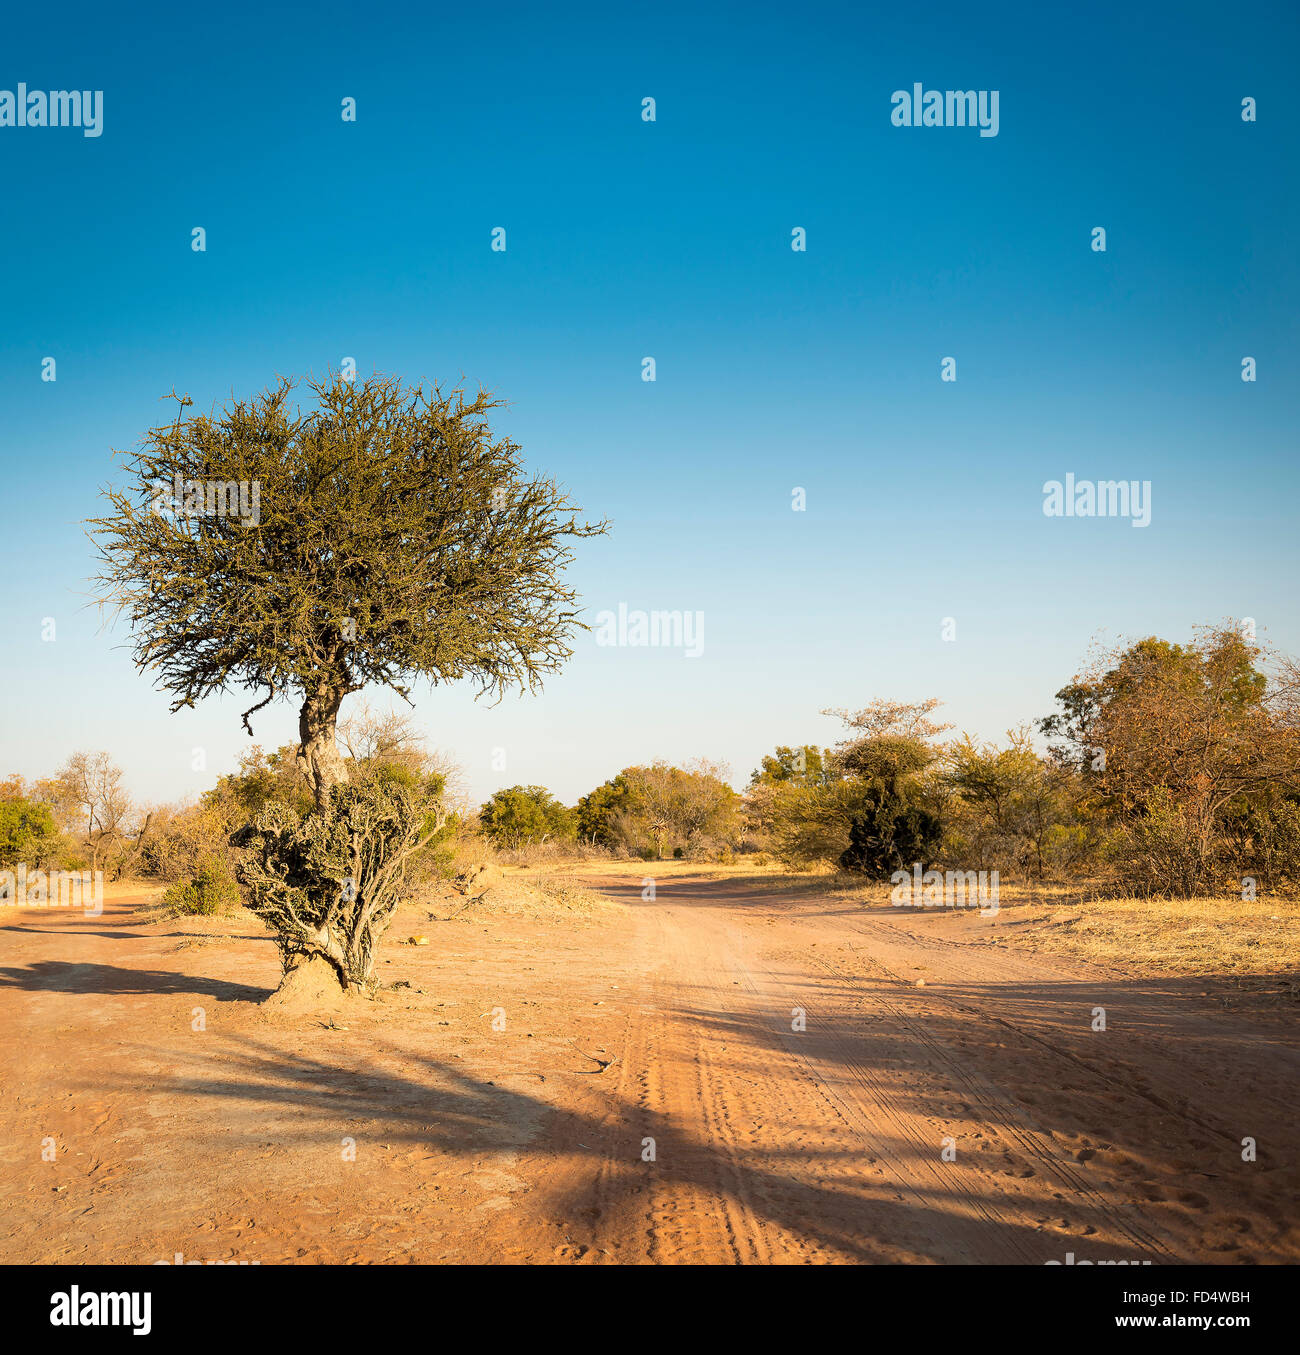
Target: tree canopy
{"x": 386, "y": 533}
{"x": 520, "y": 815}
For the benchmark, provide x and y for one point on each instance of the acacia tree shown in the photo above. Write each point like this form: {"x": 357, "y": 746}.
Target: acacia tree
{"x": 686, "y": 805}
{"x": 887, "y": 756}
{"x": 1173, "y": 743}
{"x": 383, "y": 534}
{"x": 1198, "y": 721}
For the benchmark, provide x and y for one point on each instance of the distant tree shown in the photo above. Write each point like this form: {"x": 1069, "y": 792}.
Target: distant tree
{"x": 686, "y": 807}
{"x": 600, "y": 812}
{"x": 802, "y": 765}
{"x": 1194, "y": 719}
{"x": 771, "y": 795}
{"x": 521, "y": 815}
{"x": 888, "y": 752}
{"x": 396, "y": 537}
{"x": 888, "y": 740}
{"x": 872, "y": 803}
{"x": 1009, "y": 805}
{"x": 1184, "y": 748}
{"x": 182, "y": 839}
{"x": 89, "y": 795}
{"x": 28, "y": 833}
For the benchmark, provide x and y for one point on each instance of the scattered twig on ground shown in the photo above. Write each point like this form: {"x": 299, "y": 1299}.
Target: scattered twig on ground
{"x": 604, "y": 1063}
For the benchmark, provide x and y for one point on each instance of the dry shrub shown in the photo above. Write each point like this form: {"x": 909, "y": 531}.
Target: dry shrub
{"x": 179, "y": 841}
{"x": 1166, "y": 853}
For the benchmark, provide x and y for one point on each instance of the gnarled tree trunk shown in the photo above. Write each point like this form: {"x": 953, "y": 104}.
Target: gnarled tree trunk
{"x": 318, "y": 750}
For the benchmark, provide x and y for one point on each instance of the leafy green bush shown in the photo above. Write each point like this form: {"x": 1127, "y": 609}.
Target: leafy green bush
{"x": 28, "y": 833}
{"x": 210, "y": 891}
{"x": 521, "y": 815}
{"x": 1263, "y": 842}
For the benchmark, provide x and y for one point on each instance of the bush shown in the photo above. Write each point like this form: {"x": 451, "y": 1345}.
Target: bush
{"x": 523, "y": 815}
{"x": 211, "y": 891}
{"x": 649, "y": 812}
{"x": 811, "y": 824}
{"x": 1166, "y": 853}
{"x": 179, "y": 842}
{"x": 1263, "y": 842}
{"x": 890, "y": 835}
{"x": 327, "y": 883}
{"x": 28, "y": 833}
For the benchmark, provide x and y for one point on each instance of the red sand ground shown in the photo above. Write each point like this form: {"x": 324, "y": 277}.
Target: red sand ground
{"x": 771, "y": 1144}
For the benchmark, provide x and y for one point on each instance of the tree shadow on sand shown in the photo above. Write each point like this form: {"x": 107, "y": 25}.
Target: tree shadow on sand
{"x": 58, "y": 976}
{"x": 590, "y": 1171}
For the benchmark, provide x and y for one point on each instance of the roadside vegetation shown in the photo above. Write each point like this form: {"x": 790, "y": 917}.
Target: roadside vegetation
{"x": 1167, "y": 771}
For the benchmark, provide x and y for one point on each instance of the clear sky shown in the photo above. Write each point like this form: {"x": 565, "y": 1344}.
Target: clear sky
{"x": 671, "y": 239}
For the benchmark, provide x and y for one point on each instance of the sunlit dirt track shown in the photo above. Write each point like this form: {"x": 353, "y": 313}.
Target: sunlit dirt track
{"x": 787, "y": 1080}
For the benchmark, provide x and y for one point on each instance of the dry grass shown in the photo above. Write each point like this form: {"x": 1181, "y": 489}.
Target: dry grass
{"x": 1222, "y": 937}
{"x": 566, "y": 892}
{"x": 1225, "y": 936}
{"x": 758, "y": 870}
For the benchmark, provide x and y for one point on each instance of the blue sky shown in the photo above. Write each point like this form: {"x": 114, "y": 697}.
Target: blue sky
{"x": 775, "y": 369}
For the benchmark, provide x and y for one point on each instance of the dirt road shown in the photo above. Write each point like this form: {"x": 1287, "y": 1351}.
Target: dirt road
{"x": 788, "y": 1079}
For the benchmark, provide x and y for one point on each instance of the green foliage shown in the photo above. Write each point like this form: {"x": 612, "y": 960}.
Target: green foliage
{"x": 811, "y": 824}
{"x": 389, "y": 514}
{"x": 242, "y": 795}
{"x": 396, "y": 536}
{"x": 521, "y": 815}
{"x": 657, "y": 809}
{"x": 690, "y": 807}
{"x": 804, "y": 765}
{"x": 1263, "y": 839}
{"x": 28, "y": 833}
{"x": 890, "y": 834}
{"x": 600, "y": 812}
{"x": 177, "y": 841}
{"x": 210, "y": 891}
{"x": 876, "y": 814}
{"x": 1009, "y": 808}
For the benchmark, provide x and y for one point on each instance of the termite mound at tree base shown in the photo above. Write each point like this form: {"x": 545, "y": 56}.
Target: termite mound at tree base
{"x": 310, "y": 987}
